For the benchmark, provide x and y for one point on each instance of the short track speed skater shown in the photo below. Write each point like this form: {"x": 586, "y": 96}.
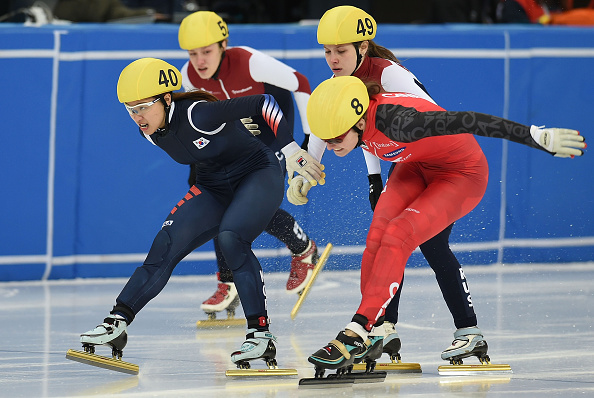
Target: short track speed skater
{"x": 469, "y": 342}
{"x": 112, "y": 333}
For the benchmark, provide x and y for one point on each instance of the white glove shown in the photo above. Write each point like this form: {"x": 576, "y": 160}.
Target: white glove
{"x": 251, "y": 126}
{"x": 303, "y": 163}
{"x": 563, "y": 143}
{"x": 298, "y": 189}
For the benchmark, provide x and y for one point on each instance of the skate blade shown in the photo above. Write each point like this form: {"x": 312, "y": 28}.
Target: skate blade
{"x": 371, "y": 377}
{"x": 319, "y": 265}
{"x": 470, "y": 370}
{"x": 392, "y": 367}
{"x": 220, "y": 323}
{"x": 102, "y": 362}
{"x": 325, "y": 382}
{"x": 260, "y": 372}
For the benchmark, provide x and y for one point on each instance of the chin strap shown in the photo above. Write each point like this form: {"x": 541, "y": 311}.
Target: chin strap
{"x": 359, "y": 57}
{"x": 360, "y": 134}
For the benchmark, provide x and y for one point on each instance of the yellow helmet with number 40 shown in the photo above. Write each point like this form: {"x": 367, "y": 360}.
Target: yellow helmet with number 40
{"x": 346, "y": 24}
{"x": 201, "y": 29}
{"x": 147, "y": 77}
{"x": 336, "y": 105}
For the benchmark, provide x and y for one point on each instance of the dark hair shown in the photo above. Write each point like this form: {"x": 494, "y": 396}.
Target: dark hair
{"x": 195, "y": 95}
{"x": 375, "y": 50}
{"x": 374, "y": 88}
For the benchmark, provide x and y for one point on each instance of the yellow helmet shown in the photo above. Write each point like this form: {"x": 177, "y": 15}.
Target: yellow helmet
{"x": 147, "y": 77}
{"x": 336, "y": 105}
{"x": 201, "y": 29}
{"x": 346, "y": 24}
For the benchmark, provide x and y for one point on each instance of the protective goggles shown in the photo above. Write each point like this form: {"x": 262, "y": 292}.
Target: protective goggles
{"x": 140, "y": 109}
{"x": 336, "y": 140}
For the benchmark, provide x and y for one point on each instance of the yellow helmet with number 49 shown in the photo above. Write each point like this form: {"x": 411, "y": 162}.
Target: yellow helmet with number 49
{"x": 147, "y": 77}
{"x": 336, "y": 105}
{"x": 346, "y": 24}
{"x": 201, "y": 29}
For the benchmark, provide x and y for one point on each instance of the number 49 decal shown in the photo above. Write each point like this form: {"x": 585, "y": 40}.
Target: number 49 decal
{"x": 364, "y": 27}
{"x": 167, "y": 77}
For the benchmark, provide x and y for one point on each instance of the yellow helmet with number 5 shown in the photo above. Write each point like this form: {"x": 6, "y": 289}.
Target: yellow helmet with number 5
{"x": 346, "y": 24}
{"x": 336, "y": 105}
{"x": 147, "y": 77}
{"x": 201, "y": 29}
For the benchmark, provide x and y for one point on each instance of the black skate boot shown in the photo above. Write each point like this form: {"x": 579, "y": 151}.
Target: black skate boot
{"x": 339, "y": 354}
{"x": 373, "y": 349}
{"x": 467, "y": 342}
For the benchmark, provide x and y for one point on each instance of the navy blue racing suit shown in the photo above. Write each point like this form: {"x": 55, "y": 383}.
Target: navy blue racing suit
{"x": 239, "y": 186}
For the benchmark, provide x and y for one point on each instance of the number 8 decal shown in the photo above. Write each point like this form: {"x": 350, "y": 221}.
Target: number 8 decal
{"x": 357, "y": 106}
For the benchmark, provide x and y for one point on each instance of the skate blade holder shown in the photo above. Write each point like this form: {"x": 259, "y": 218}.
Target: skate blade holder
{"x": 343, "y": 380}
{"x": 318, "y": 268}
{"x": 220, "y": 323}
{"x": 102, "y": 362}
{"x": 392, "y": 367}
{"x": 260, "y": 372}
{"x": 474, "y": 370}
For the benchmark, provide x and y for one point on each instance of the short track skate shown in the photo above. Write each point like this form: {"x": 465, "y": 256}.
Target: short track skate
{"x": 244, "y": 368}
{"x": 231, "y": 321}
{"x": 89, "y": 357}
{"x": 479, "y": 350}
{"x": 319, "y": 265}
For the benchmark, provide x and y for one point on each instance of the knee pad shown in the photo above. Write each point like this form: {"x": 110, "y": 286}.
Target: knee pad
{"x": 234, "y": 249}
{"x": 376, "y": 231}
{"x": 159, "y": 249}
{"x": 400, "y": 233}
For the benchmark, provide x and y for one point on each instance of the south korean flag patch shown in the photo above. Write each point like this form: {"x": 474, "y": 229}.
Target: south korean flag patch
{"x": 201, "y": 142}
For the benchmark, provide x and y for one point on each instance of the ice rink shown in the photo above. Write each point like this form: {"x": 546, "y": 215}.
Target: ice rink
{"x": 537, "y": 318}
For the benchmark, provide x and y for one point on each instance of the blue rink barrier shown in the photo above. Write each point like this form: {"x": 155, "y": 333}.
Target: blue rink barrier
{"x": 83, "y": 194}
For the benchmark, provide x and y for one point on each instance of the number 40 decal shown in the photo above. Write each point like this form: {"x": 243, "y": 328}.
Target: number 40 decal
{"x": 364, "y": 27}
{"x": 167, "y": 77}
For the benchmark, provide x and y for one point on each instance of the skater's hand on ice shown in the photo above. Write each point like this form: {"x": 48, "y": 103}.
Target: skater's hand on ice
{"x": 298, "y": 189}
{"x": 375, "y": 189}
{"x": 563, "y": 143}
{"x": 302, "y": 163}
{"x": 251, "y": 126}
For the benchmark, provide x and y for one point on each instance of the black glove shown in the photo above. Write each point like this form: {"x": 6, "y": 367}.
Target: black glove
{"x": 375, "y": 188}
{"x": 305, "y": 142}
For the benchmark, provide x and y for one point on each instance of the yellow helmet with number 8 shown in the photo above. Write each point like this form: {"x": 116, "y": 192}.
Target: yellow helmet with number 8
{"x": 147, "y": 77}
{"x": 346, "y": 24}
{"x": 201, "y": 29}
{"x": 336, "y": 105}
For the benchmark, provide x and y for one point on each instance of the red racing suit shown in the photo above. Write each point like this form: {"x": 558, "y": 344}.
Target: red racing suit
{"x": 441, "y": 176}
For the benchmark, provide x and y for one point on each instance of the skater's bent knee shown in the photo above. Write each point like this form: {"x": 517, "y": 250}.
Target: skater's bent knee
{"x": 234, "y": 249}
{"x": 159, "y": 249}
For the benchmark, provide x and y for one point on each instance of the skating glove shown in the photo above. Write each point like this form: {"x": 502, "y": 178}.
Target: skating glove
{"x": 375, "y": 189}
{"x": 563, "y": 143}
{"x": 298, "y": 189}
{"x": 302, "y": 163}
{"x": 251, "y": 126}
